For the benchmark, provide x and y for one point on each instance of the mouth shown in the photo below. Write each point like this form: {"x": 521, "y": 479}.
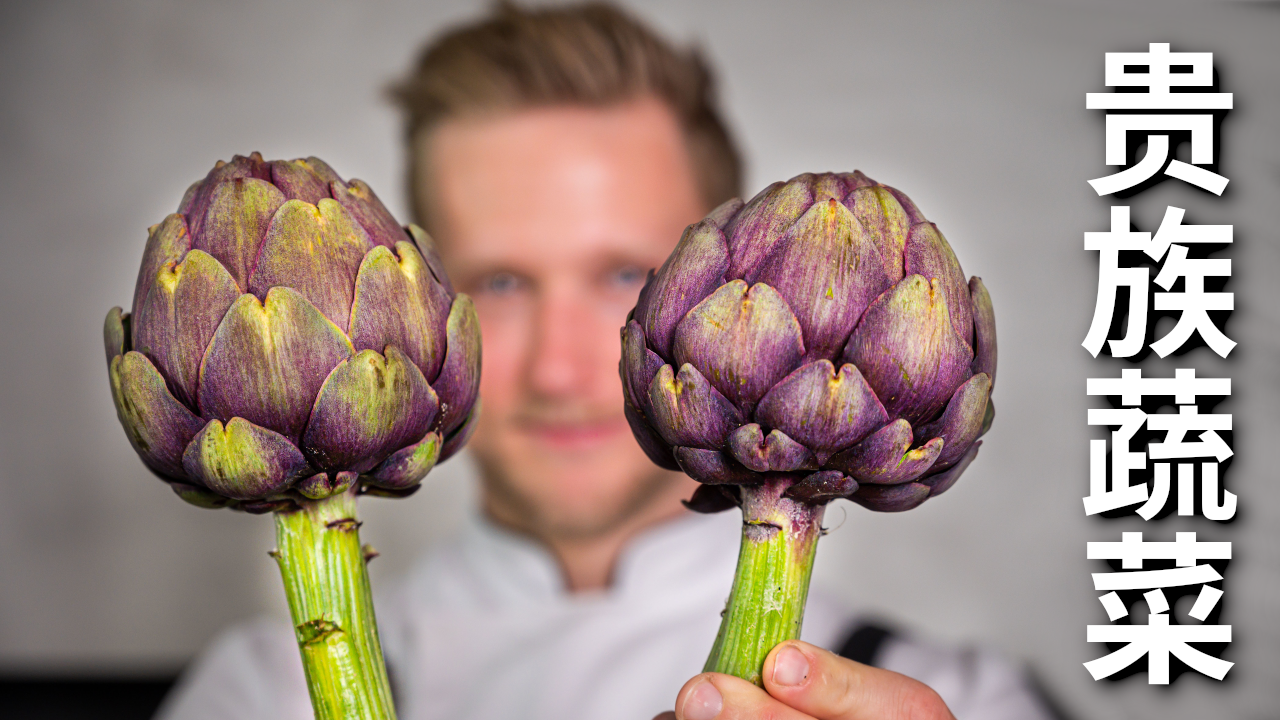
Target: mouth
{"x": 574, "y": 435}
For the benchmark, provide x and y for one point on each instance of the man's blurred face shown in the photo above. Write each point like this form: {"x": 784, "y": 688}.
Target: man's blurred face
{"x": 549, "y": 218}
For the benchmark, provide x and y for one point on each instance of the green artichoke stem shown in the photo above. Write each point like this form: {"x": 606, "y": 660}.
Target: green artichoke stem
{"x": 328, "y": 590}
{"x": 766, "y": 604}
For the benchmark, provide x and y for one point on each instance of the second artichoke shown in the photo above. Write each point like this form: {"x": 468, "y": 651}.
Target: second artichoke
{"x": 818, "y": 342}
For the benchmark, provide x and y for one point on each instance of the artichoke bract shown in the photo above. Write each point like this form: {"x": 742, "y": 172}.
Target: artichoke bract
{"x": 291, "y": 345}
{"x": 817, "y": 342}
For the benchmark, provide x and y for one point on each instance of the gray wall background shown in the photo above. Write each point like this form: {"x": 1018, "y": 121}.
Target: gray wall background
{"x": 109, "y": 110}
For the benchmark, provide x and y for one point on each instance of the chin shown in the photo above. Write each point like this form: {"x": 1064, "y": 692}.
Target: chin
{"x": 572, "y": 491}
{"x": 586, "y": 482}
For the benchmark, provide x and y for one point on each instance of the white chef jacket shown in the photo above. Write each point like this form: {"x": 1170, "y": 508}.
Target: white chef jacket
{"x": 483, "y": 629}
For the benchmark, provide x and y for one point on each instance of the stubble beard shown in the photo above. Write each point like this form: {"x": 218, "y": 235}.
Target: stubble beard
{"x": 509, "y": 504}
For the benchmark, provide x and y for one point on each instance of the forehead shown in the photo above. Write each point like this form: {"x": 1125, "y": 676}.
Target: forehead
{"x": 547, "y": 182}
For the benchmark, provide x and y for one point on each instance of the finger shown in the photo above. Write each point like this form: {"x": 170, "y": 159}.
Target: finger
{"x": 829, "y": 687}
{"x": 713, "y": 696}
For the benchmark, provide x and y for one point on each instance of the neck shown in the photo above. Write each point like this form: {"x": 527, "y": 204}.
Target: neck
{"x": 588, "y": 559}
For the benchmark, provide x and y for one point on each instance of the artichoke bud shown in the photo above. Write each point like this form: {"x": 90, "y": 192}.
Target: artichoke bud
{"x": 288, "y": 340}
{"x": 822, "y": 334}
{"x": 323, "y": 485}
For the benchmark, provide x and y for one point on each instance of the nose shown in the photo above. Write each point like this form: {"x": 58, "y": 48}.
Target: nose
{"x": 571, "y": 344}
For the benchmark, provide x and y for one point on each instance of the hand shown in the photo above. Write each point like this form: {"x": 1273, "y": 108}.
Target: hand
{"x": 805, "y": 682}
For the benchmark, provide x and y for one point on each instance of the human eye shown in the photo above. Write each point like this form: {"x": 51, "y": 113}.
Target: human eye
{"x": 627, "y": 277}
{"x": 501, "y": 284}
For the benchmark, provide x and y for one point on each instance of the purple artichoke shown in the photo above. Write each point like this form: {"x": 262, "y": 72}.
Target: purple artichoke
{"x": 289, "y": 339}
{"x": 822, "y": 335}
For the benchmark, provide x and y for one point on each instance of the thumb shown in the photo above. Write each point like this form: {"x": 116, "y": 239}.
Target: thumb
{"x": 829, "y": 687}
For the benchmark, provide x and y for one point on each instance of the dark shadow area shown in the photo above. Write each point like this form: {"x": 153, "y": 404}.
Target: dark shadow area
{"x": 868, "y": 636}
{"x": 82, "y": 698}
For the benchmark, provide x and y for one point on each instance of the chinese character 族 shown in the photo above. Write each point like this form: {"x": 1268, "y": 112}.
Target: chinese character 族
{"x": 1193, "y": 302}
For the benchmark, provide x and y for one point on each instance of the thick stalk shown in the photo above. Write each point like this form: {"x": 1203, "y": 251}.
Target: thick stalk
{"x": 325, "y": 580}
{"x": 766, "y": 604}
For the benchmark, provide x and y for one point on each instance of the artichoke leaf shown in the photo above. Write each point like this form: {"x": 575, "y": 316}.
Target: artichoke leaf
{"x": 823, "y": 408}
{"x": 177, "y": 320}
{"x": 693, "y": 270}
{"x": 961, "y": 422}
{"x": 298, "y": 181}
{"x": 774, "y": 452}
{"x": 359, "y": 200}
{"x": 115, "y": 334}
{"x": 891, "y": 498}
{"x": 928, "y": 254}
{"x": 757, "y": 229}
{"x": 235, "y": 224}
{"x": 458, "y": 383}
{"x": 908, "y": 351}
{"x": 409, "y": 465}
{"x": 829, "y": 269}
{"x": 167, "y": 242}
{"x": 397, "y": 302}
{"x": 368, "y": 407}
{"x": 940, "y": 482}
{"x": 653, "y": 445}
{"x": 712, "y": 467}
{"x": 267, "y": 361}
{"x": 689, "y": 411}
{"x": 984, "y": 330}
{"x": 886, "y": 456}
{"x": 242, "y": 460}
{"x": 157, "y": 424}
{"x": 743, "y": 340}
{"x": 316, "y": 250}
{"x": 884, "y": 219}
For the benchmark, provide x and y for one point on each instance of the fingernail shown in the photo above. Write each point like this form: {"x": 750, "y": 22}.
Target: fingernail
{"x": 790, "y": 667}
{"x": 704, "y": 702}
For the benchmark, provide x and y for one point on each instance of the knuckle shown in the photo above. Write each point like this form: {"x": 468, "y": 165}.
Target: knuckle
{"x": 842, "y": 690}
{"x": 842, "y": 685}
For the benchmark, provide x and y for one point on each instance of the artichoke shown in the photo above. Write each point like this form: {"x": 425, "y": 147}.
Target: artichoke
{"x": 818, "y": 342}
{"x": 290, "y": 340}
{"x": 291, "y": 345}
